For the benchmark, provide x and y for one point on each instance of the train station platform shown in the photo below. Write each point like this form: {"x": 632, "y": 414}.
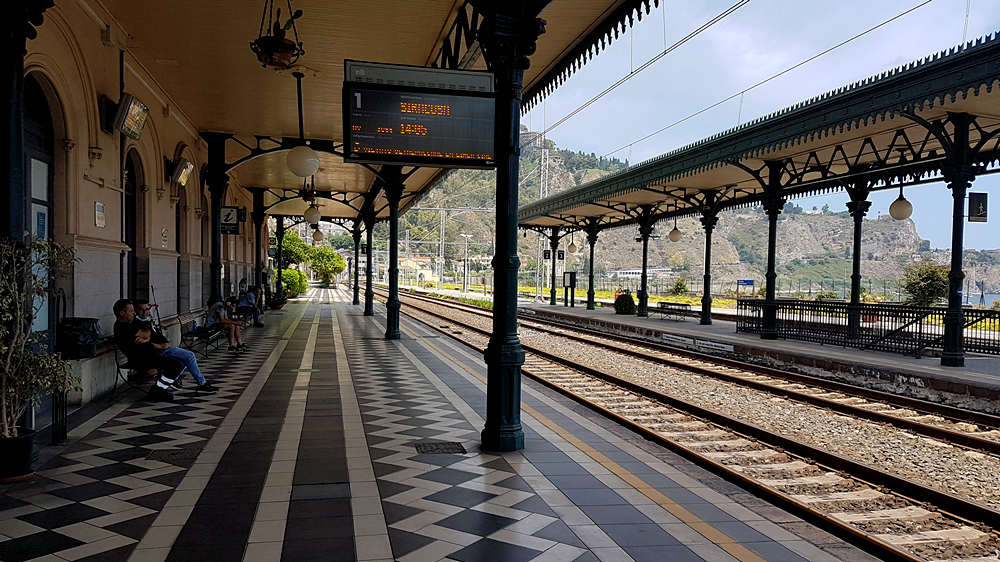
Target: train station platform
{"x": 976, "y": 385}
{"x": 328, "y": 442}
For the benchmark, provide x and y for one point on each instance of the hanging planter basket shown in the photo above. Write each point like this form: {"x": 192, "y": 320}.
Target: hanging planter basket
{"x": 276, "y": 52}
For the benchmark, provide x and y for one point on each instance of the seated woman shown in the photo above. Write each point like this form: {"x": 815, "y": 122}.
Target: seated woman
{"x": 218, "y": 319}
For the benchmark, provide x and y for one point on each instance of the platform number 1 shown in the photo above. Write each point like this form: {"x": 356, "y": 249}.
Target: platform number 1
{"x": 357, "y": 96}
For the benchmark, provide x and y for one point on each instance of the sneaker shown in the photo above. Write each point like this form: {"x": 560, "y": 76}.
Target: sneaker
{"x": 206, "y": 388}
{"x": 176, "y": 384}
{"x": 258, "y": 325}
{"x": 243, "y": 348}
{"x": 233, "y": 349}
{"x": 157, "y": 394}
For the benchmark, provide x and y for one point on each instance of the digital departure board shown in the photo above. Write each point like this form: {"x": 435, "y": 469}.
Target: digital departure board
{"x": 413, "y": 126}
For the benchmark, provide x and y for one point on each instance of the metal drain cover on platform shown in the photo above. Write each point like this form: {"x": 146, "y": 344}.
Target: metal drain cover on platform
{"x": 169, "y": 455}
{"x": 439, "y": 448}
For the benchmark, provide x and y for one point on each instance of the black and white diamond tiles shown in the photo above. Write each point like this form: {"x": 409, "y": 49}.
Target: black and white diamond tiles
{"x": 97, "y": 498}
{"x": 469, "y": 507}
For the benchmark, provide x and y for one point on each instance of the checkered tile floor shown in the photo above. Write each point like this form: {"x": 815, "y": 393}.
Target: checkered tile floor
{"x": 327, "y": 442}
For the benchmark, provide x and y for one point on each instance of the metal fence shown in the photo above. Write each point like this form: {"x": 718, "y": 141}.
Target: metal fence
{"x": 879, "y": 326}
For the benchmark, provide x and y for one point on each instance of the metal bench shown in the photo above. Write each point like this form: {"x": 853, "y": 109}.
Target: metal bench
{"x": 675, "y": 309}
{"x": 192, "y": 337}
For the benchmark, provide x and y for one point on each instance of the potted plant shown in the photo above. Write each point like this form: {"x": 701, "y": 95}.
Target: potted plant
{"x": 27, "y": 368}
{"x": 274, "y": 49}
{"x": 275, "y": 301}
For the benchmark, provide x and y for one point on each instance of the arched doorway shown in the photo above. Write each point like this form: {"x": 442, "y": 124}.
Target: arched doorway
{"x": 39, "y": 160}
{"x": 137, "y": 267}
{"x": 180, "y": 242}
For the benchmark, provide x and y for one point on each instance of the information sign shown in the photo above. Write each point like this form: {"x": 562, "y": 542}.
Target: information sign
{"x": 230, "y": 220}
{"x": 416, "y": 116}
{"x": 745, "y": 282}
{"x": 546, "y": 254}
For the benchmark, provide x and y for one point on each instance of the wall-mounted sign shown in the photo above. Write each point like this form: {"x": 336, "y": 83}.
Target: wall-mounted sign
{"x": 271, "y": 252}
{"x": 231, "y": 221}
{"x": 99, "y": 219}
{"x": 977, "y": 207}
{"x": 163, "y": 239}
{"x": 272, "y": 241}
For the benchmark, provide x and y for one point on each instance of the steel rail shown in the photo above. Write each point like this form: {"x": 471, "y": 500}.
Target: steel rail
{"x": 951, "y": 413}
{"x": 871, "y": 476}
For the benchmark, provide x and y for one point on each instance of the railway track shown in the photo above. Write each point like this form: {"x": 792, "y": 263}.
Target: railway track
{"x": 890, "y": 515}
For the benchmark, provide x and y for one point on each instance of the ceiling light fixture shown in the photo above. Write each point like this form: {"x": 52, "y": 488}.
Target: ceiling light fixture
{"x": 675, "y": 234}
{"x": 312, "y": 215}
{"x": 302, "y": 160}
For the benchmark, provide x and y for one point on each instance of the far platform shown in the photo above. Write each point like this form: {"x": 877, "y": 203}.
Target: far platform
{"x": 979, "y": 380}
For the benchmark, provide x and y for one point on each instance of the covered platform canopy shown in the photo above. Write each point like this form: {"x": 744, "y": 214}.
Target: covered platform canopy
{"x": 935, "y": 119}
{"x": 199, "y": 53}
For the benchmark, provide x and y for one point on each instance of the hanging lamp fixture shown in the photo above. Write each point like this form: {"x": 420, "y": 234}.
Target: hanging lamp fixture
{"x": 675, "y": 234}
{"x": 317, "y": 235}
{"x": 572, "y": 244}
{"x": 302, "y": 160}
{"x": 272, "y": 46}
{"x": 312, "y": 215}
{"x": 901, "y": 209}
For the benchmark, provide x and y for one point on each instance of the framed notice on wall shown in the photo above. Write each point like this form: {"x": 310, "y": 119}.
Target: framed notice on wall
{"x": 99, "y": 219}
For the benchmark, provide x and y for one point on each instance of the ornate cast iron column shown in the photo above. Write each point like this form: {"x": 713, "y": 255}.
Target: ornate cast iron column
{"x": 393, "y": 192}
{"x": 592, "y": 241}
{"x": 554, "y": 248}
{"x": 279, "y": 234}
{"x": 356, "y": 233}
{"x": 258, "y": 224}
{"x": 773, "y": 205}
{"x": 369, "y": 292}
{"x": 645, "y": 230}
{"x": 16, "y": 27}
{"x": 218, "y": 183}
{"x": 959, "y": 175}
{"x": 708, "y": 220}
{"x": 858, "y": 207}
{"x": 507, "y": 37}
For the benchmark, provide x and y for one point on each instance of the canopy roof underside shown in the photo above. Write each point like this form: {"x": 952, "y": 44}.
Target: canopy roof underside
{"x": 872, "y": 134}
{"x": 198, "y": 52}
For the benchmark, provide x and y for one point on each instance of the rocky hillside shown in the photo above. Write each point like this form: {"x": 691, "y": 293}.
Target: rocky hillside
{"x": 811, "y": 246}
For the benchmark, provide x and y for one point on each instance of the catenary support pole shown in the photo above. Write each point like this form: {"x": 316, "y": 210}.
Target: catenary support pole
{"x": 645, "y": 231}
{"x": 507, "y": 38}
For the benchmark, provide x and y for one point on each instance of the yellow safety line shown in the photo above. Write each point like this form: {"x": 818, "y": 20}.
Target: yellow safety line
{"x": 727, "y": 543}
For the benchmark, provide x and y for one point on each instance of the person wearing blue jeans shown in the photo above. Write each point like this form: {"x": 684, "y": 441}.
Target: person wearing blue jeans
{"x": 182, "y": 356}
{"x": 249, "y": 304}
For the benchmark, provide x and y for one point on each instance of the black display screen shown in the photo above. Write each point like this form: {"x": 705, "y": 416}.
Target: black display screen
{"x": 417, "y": 126}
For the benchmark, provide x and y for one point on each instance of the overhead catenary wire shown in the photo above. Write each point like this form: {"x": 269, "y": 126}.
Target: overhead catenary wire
{"x": 644, "y": 66}
{"x": 766, "y": 80}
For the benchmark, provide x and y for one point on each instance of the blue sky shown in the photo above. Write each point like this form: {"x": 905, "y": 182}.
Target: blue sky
{"x": 760, "y": 39}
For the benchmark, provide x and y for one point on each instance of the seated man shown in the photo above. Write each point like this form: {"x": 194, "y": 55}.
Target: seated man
{"x": 183, "y": 356}
{"x": 248, "y": 305}
{"x": 141, "y": 353}
{"x": 218, "y": 319}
